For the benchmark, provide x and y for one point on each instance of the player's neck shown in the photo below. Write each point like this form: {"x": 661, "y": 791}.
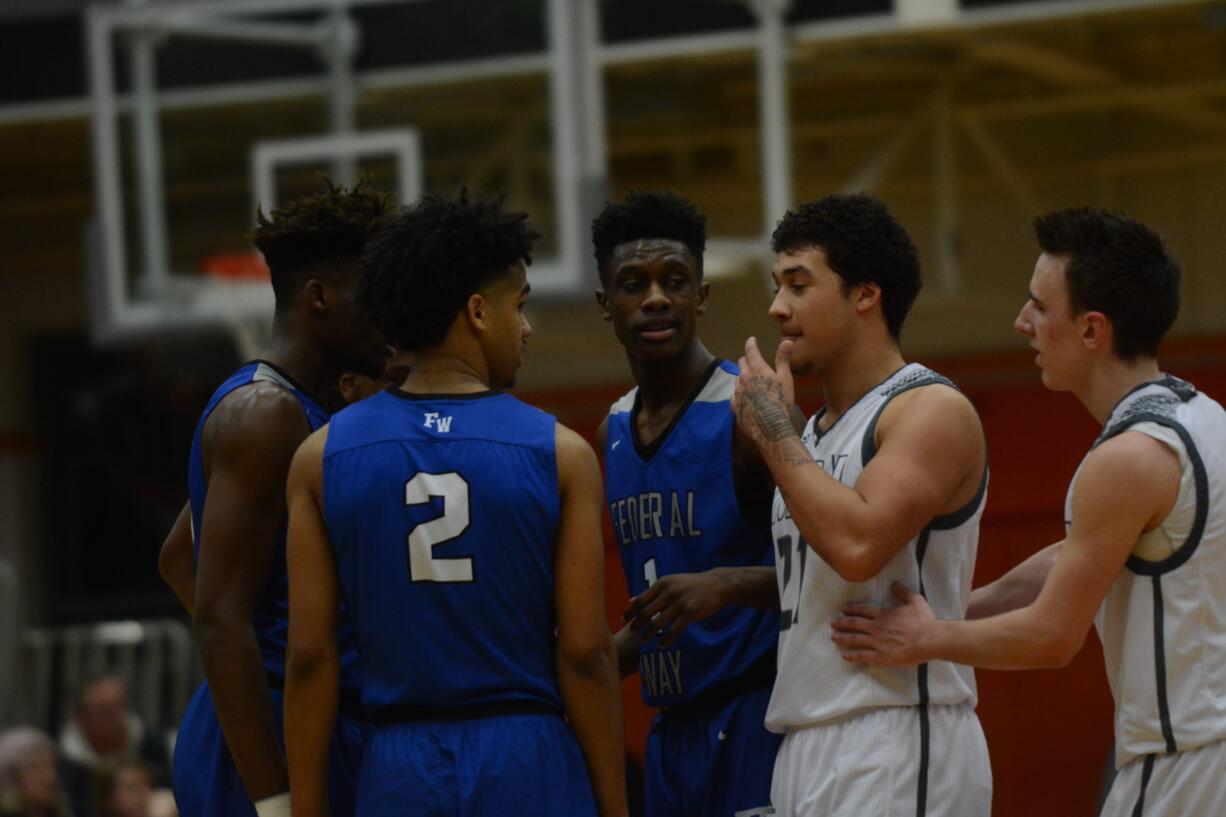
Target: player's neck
{"x": 301, "y": 358}
{"x": 666, "y": 384}
{"x": 443, "y": 372}
{"x": 854, "y": 374}
{"x": 1109, "y": 382}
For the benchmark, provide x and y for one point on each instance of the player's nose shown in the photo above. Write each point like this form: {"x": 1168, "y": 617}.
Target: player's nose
{"x": 656, "y": 297}
{"x": 778, "y": 309}
{"x": 1023, "y": 324}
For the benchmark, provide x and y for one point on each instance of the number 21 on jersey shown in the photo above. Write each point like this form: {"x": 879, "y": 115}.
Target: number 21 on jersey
{"x": 789, "y": 593}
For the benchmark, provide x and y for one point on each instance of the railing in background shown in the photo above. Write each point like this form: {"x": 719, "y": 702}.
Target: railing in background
{"x": 154, "y": 657}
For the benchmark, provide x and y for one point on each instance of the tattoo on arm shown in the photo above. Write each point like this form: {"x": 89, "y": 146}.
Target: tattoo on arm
{"x": 791, "y": 452}
{"x": 763, "y": 401}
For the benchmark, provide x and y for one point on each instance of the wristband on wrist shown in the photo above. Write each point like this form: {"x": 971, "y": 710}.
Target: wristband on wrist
{"x": 275, "y": 806}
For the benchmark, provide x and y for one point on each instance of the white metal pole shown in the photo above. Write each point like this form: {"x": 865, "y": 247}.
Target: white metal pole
{"x": 342, "y": 108}
{"x": 106, "y": 162}
{"x": 594, "y": 185}
{"x": 155, "y": 259}
{"x": 565, "y": 116}
{"x": 596, "y": 149}
{"x": 774, "y": 110}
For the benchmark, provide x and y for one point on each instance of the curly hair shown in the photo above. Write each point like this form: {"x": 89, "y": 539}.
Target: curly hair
{"x": 316, "y": 234}
{"x": 1119, "y": 267}
{"x": 648, "y": 215}
{"x": 863, "y": 242}
{"x": 420, "y": 270}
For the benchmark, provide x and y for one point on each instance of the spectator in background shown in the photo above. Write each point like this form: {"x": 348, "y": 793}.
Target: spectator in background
{"x": 104, "y": 728}
{"x": 29, "y": 782}
{"x": 122, "y": 788}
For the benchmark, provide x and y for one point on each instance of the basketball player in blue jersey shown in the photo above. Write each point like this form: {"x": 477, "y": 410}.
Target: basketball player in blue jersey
{"x": 462, "y": 528}
{"x": 886, "y": 482}
{"x": 177, "y": 561}
{"x": 229, "y": 758}
{"x": 1144, "y": 555}
{"x": 689, "y": 498}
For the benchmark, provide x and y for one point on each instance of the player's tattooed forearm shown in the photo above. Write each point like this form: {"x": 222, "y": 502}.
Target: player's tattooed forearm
{"x": 772, "y": 420}
{"x": 792, "y": 452}
{"x": 763, "y": 401}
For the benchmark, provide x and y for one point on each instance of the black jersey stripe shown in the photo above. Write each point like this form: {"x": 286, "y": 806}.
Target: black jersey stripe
{"x": 1148, "y": 769}
{"x": 1164, "y": 707}
{"x": 921, "y": 677}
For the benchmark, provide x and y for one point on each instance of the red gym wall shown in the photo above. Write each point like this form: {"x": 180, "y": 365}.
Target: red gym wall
{"x": 1049, "y": 731}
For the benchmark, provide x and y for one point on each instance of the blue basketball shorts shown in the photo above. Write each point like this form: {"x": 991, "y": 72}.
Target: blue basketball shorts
{"x": 715, "y": 762}
{"x": 206, "y": 782}
{"x": 501, "y": 766}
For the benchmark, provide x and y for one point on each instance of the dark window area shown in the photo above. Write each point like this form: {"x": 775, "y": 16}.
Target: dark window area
{"x": 41, "y": 58}
{"x": 115, "y": 427}
{"x": 44, "y": 58}
{"x": 810, "y": 10}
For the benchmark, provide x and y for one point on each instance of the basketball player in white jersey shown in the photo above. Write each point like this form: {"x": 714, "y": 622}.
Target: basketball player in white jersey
{"x": 886, "y": 483}
{"x": 1144, "y": 553}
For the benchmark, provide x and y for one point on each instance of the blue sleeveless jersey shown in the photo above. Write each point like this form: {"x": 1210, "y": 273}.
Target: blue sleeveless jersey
{"x": 443, "y": 513}
{"x": 271, "y": 615}
{"x": 674, "y": 509}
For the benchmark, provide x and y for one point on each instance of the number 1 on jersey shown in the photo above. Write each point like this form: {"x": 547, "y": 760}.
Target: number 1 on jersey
{"x": 453, "y": 490}
{"x": 649, "y": 571}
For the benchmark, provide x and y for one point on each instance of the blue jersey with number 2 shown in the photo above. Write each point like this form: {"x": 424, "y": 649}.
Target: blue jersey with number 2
{"x": 442, "y": 511}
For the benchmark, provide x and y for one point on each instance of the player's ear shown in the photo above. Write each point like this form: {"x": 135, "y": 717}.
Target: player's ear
{"x": 1096, "y": 330}
{"x": 349, "y": 387}
{"x": 704, "y": 292}
{"x": 866, "y": 295}
{"x": 315, "y": 293}
{"x": 476, "y": 311}
{"x": 602, "y": 301}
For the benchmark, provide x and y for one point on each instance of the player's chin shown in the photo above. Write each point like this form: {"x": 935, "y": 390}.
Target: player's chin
{"x": 802, "y": 365}
{"x": 654, "y": 352}
{"x": 1051, "y": 380}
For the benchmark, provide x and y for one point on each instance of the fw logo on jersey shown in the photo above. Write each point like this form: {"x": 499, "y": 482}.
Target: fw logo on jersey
{"x": 433, "y": 420}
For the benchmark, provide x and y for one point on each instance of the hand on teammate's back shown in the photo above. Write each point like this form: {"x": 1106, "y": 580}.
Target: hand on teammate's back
{"x": 891, "y": 637}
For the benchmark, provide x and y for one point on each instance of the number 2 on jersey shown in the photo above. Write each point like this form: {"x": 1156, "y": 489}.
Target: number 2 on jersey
{"x": 453, "y": 490}
{"x": 790, "y": 615}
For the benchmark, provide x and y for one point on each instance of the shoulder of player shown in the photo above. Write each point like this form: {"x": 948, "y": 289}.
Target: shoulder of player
{"x": 257, "y": 420}
{"x": 307, "y": 465}
{"x": 569, "y": 443}
{"x": 1129, "y": 479}
{"x": 575, "y": 455}
{"x": 1129, "y": 462}
{"x": 932, "y": 408}
{"x": 314, "y": 444}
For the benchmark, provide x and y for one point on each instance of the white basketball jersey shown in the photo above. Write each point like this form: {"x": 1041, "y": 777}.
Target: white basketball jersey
{"x": 1163, "y": 622}
{"x": 815, "y": 685}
